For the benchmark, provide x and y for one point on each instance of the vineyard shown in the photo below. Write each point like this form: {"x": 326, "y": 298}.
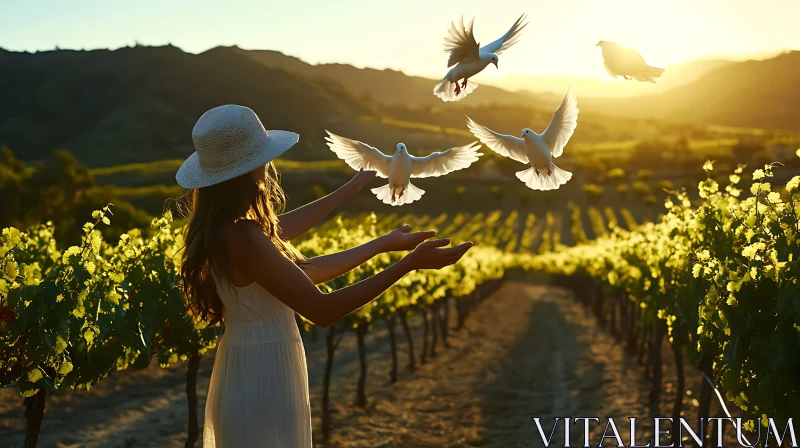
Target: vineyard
{"x": 716, "y": 278}
{"x": 71, "y": 318}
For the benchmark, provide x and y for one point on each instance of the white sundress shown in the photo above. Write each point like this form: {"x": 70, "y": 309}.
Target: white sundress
{"x": 258, "y": 395}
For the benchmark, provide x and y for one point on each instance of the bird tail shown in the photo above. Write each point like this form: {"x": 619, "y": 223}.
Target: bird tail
{"x": 561, "y": 176}
{"x": 446, "y": 90}
{"x": 542, "y": 181}
{"x": 649, "y": 73}
{"x": 411, "y": 194}
{"x": 383, "y": 193}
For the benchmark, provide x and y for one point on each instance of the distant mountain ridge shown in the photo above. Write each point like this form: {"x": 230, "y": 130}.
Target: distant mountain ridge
{"x": 757, "y": 93}
{"x": 674, "y": 76}
{"x": 139, "y": 104}
{"x": 385, "y": 86}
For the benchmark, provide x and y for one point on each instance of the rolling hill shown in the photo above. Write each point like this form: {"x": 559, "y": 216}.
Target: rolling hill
{"x": 386, "y": 86}
{"x": 139, "y": 104}
{"x": 674, "y": 76}
{"x": 757, "y": 93}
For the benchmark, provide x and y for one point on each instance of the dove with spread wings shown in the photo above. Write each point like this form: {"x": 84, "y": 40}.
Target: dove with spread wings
{"x": 535, "y": 149}
{"x": 400, "y": 167}
{"x": 468, "y": 58}
{"x": 627, "y": 63}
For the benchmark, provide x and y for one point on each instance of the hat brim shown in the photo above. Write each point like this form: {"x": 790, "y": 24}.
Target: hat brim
{"x": 191, "y": 176}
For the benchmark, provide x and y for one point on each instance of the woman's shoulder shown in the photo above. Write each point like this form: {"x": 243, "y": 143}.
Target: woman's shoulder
{"x": 243, "y": 233}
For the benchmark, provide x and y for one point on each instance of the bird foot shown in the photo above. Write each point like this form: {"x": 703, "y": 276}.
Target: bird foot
{"x": 393, "y": 196}
{"x": 537, "y": 172}
{"x": 402, "y": 190}
{"x": 627, "y": 77}
{"x": 549, "y": 172}
{"x": 464, "y": 83}
{"x": 458, "y": 89}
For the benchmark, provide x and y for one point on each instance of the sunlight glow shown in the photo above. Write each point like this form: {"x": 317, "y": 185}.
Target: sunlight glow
{"x": 558, "y": 41}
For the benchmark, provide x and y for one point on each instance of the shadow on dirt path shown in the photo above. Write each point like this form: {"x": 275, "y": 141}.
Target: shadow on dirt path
{"x": 530, "y": 350}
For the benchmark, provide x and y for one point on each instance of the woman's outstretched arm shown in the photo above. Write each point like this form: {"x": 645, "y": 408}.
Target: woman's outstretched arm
{"x": 300, "y": 220}
{"x": 328, "y": 267}
{"x": 252, "y": 253}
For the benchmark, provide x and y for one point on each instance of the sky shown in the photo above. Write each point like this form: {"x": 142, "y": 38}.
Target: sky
{"x": 408, "y": 35}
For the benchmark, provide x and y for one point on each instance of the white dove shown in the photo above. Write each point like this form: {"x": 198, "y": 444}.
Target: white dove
{"x": 402, "y": 166}
{"x": 536, "y": 149}
{"x": 627, "y": 62}
{"x": 469, "y": 59}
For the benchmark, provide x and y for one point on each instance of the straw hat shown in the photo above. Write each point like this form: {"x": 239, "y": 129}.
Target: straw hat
{"x": 230, "y": 141}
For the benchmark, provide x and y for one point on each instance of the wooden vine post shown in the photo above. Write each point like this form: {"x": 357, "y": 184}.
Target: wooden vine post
{"x": 677, "y": 351}
{"x": 424, "y": 356}
{"x": 34, "y": 415}
{"x": 326, "y": 382}
{"x": 390, "y": 321}
{"x": 659, "y": 330}
{"x": 361, "y": 394}
{"x": 412, "y": 362}
{"x": 193, "y": 430}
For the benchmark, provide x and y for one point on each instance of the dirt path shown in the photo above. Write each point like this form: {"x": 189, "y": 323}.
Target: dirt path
{"x": 532, "y": 352}
{"x": 528, "y": 351}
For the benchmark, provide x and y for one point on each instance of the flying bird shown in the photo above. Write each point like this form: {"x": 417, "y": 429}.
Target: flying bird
{"x": 402, "y": 166}
{"x": 627, "y": 63}
{"x": 535, "y": 149}
{"x": 468, "y": 58}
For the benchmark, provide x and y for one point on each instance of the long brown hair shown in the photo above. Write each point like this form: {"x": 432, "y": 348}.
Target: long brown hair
{"x": 210, "y": 209}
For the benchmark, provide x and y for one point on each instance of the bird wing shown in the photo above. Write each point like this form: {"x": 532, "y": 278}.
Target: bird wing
{"x": 440, "y": 163}
{"x": 505, "y": 145}
{"x": 630, "y": 56}
{"x": 507, "y": 40}
{"x": 608, "y": 70}
{"x": 461, "y": 44}
{"x": 562, "y": 125}
{"x": 359, "y": 155}
{"x": 621, "y": 55}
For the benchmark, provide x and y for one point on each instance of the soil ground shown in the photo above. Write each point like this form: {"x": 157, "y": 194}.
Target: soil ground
{"x": 530, "y": 350}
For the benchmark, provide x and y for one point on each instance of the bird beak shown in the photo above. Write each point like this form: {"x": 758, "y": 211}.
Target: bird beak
{"x": 495, "y": 64}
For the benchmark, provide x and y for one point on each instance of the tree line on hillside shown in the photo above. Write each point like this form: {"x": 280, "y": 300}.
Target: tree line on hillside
{"x": 143, "y": 101}
{"x": 673, "y": 158}
{"x": 62, "y": 190}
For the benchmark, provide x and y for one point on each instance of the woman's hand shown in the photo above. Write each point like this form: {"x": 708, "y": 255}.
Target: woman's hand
{"x": 399, "y": 239}
{"x": 359, "y": 181}
{"x": 432, "y": 254}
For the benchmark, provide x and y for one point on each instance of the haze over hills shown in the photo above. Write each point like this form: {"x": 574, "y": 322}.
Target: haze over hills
{"x": 385, "y": 86}
{"x": 673, "y": 77}
{"x": 608, "y": 87}
{"x": 758, "y": 93}
{"x": 139, "y": 103}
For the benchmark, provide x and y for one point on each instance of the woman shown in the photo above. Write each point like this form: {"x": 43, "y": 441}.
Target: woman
{"x": 239, "y": 268}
